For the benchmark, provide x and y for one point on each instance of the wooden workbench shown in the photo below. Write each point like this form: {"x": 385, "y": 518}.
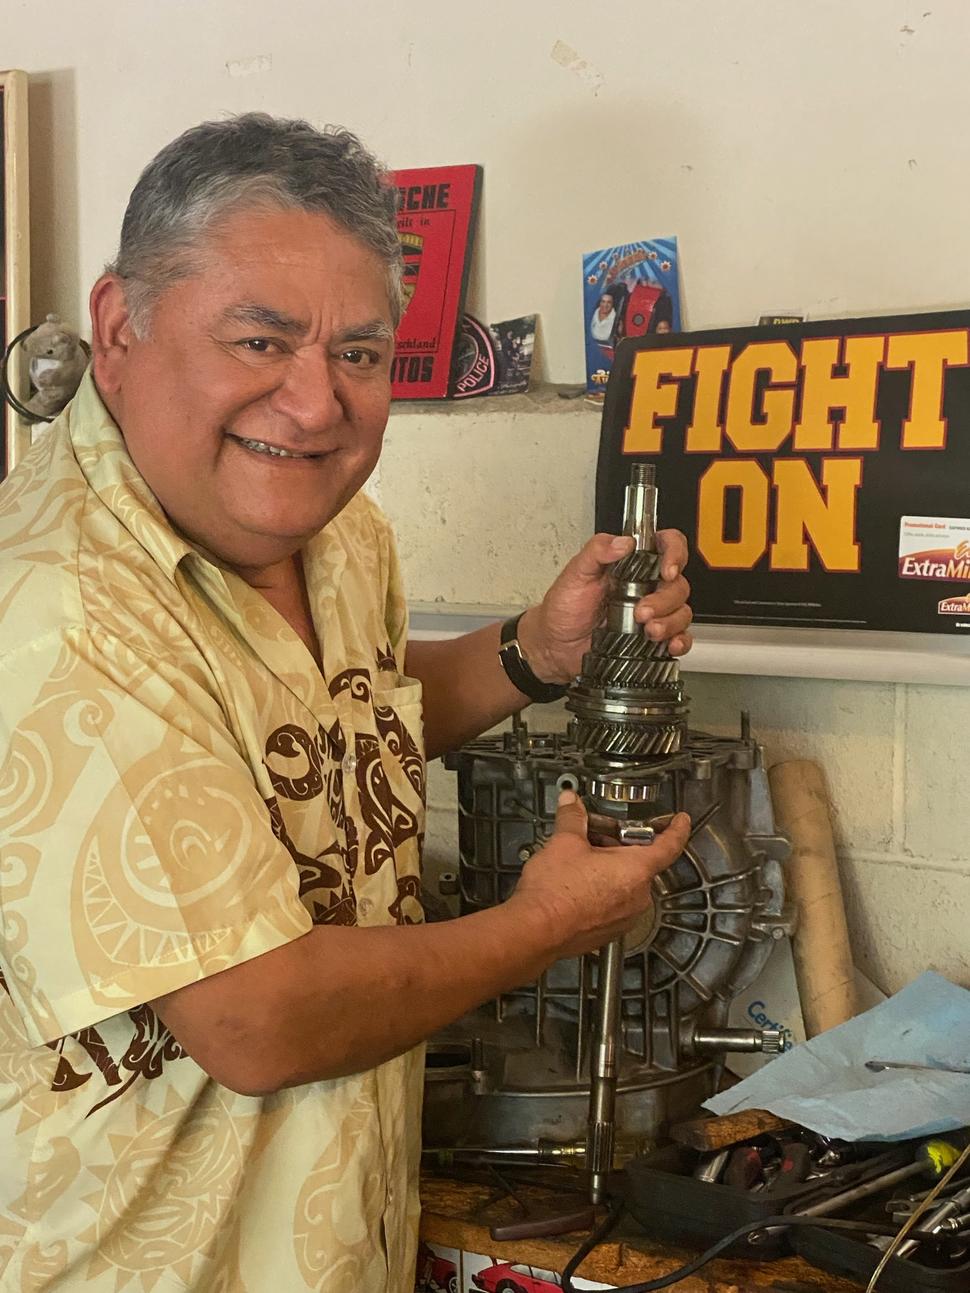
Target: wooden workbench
{"x": 452, "y": 1217}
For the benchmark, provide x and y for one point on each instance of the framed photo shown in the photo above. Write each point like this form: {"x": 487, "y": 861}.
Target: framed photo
{"x": 15, "y": 227}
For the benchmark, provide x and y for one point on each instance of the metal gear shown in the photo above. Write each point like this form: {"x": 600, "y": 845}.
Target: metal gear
{"x": 628, "y": 701}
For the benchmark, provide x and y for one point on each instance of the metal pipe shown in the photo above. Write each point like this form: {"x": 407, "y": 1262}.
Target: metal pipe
{"x": 836, "y": 1201}
{"x": 604, "y": 1070}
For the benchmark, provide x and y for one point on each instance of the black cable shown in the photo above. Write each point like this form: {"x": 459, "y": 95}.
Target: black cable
{"x": 608, "y": 1224}
{"x": 595, "y": 1237}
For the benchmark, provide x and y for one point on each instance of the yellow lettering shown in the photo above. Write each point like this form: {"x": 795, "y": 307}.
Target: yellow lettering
{"x": 855, "y": 392}
{"x": 743, "y": 552}
{"x": 705, "y": 431}
{"x": 777, "y": 402}
{"x": 653, "y": 396}
{"x": 801, "y": 512}
{"x": 927, "y": 355}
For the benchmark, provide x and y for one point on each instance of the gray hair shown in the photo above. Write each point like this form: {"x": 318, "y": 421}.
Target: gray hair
{"x": 253, "y": 160}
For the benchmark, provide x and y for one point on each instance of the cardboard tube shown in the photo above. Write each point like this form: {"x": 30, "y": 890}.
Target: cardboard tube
{"x": 820, "y": 947}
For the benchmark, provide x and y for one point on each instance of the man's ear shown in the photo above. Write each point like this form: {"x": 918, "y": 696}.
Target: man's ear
{"x": 111, "y": 332}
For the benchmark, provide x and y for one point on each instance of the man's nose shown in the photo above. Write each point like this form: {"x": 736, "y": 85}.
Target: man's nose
{"x": 308, "y": 395}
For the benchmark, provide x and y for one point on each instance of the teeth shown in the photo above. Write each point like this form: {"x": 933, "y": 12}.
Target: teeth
{"x": 259, "y": 446}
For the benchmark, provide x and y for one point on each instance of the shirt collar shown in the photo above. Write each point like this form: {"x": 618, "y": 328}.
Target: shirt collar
{"x": 103, "y": 458}
{"x": 104, "y": 461}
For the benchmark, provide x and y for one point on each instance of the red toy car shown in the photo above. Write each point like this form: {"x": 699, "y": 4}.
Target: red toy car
{"x": 434, "y": 1274}
{"x": 517, "y": 1279}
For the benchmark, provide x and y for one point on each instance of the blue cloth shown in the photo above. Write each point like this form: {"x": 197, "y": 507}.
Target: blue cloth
{"x": 824, "y": 1083}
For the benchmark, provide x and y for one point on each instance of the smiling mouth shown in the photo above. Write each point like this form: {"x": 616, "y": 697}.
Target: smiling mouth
{"x": 271, "y": 450}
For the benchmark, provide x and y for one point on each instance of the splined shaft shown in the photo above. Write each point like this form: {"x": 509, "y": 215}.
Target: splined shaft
{"x": 628, "y": 701}
{"x": 629, "y": 712}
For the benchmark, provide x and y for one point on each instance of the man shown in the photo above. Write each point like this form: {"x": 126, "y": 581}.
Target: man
{"x": 603, "y": 322}
{"x": 216, "y": 978}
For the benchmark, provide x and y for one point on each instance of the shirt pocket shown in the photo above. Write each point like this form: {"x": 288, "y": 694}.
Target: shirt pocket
{"x": 398, "y": 721}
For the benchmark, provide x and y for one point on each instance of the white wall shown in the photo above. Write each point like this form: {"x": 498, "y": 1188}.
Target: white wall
{"x": 809, "y": 156}
{"x": 486, "y": 503}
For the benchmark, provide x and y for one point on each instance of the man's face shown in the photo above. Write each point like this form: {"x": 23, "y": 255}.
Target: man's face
{"x": 282, "y": 342}
{"x": 606, "y": 304}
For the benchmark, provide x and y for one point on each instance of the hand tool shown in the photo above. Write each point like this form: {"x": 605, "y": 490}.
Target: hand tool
{"x": 933, "y": 1221}
{"x": 904, "y": 1204}
{"x": 829, "y": 1152}
{"x": 745, "y": 1168}
{"x": 793, "y": 1166}
{"x": 710, "y": 1169}
{"x": 877, "y": 1066}
{"x": 541, "y": 1151}
{"x": 932, "y": 1158}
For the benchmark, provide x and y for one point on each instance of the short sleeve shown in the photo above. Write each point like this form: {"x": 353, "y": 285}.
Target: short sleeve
{"x": 136, "y": 854}
{"x": 395, "y": 600}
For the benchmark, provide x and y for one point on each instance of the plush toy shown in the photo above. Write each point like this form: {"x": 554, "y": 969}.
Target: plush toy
{"x": 58, "y": 359}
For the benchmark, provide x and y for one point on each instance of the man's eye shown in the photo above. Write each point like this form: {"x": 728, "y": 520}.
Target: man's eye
{"x": 256, "y": 345}
{"x": 361, "y": 358}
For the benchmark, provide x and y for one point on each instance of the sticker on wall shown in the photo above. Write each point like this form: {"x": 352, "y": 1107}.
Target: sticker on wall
{"x": 631, "y": 290}
{"x": 496, "y": 360}
{"x": 934, "y": 547}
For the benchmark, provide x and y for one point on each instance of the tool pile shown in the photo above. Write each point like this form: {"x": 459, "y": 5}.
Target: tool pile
{"x": 726, "y": 1174}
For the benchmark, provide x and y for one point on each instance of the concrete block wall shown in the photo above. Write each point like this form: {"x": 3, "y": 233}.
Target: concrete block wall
{"x": 488, "y": 499}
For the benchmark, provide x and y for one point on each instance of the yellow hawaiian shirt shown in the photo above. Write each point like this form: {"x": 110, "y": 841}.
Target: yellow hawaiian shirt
{"x": 181, "y": 790}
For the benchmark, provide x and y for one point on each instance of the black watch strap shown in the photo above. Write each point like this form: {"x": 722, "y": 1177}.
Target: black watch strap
{"x": 517, "y": 668}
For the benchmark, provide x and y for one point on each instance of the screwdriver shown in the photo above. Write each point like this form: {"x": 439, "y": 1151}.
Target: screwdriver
{"x": 932, "y": 1158}
{"x": 878, "y": 1066}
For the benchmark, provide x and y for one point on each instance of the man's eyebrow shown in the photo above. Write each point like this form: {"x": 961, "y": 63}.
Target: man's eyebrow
{"x": 372, "y": 330}
{"x": 252, "y": 314}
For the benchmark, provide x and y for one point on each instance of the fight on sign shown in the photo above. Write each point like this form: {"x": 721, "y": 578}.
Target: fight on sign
{"x": 796, "y": 459}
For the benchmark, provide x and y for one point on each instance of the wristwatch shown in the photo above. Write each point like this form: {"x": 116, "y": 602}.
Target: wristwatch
{"x": 517, "y": 667}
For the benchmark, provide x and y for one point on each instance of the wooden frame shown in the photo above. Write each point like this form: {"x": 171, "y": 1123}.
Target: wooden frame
{"x": 15, "y": 287}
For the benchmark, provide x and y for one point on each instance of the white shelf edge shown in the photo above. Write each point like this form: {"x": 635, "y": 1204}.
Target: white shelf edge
{"x": 836, "y": 654}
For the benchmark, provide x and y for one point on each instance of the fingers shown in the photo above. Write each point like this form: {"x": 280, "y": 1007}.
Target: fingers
{"x": 672, "y": 546}
{"x": 672, "y": 626}
{"x": 670, "y": 843}
{"x": 601, "y": 551}
{"x": 680, "y": 644}
{"x": 667, "y": 846}
{"x": 571, "y": 815}
{"x": 661, "y": 606}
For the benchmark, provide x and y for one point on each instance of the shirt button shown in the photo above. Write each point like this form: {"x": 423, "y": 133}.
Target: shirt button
{"x": 349, "y": 764}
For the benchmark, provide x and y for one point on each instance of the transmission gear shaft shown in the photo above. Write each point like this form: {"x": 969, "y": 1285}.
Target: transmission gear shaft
{"x": 628, "y": 702}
